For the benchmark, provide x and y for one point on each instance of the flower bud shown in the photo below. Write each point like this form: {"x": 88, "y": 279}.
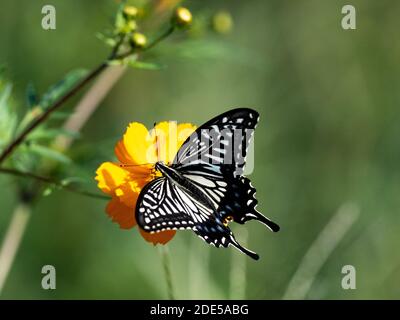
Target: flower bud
{"x": 182, "y": 17}
{"x": 128, "y": 27}
{"x": 138, "y": 40}
{"x": 130, "y": 12}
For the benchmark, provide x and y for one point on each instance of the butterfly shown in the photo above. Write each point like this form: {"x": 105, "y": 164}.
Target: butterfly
{"x": 204, "y": 189}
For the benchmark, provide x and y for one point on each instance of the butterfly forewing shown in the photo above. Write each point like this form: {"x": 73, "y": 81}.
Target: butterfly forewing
{"x": 222, "y": 141}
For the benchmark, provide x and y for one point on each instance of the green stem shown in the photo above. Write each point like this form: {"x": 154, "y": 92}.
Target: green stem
{"x": 163, "y": 250}
{"x": 12, "y": 240}
{"x": 163, "y": 36}
{"x": 54, "y": 107}
{"x": 320, "y": 250}
{"x": 55, "y": 183}
{"x": 58, "y": 103}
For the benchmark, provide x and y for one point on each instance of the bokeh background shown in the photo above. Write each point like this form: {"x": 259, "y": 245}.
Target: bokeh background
{"x": 328, "y": 135}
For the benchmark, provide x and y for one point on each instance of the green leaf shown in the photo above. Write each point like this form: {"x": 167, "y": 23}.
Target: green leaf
{"x": 109, "y": 41}
{"x": 48, "y": 191}
{"x": 70, "y": 180}
{"x": 125, "y": 61}
{"x": 119, "y": 18}
{"x": 8, "y": 116}
{"x": 60, "y": 88}
{"x": 5, "y": 95}
{"x": 49, "y": 153}
{"x": 146, "y": 65}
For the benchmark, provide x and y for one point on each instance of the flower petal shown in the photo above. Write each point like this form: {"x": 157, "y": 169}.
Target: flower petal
{"x": 121, "y": 153}
{"x": 128, "y": 192}
{"x": 138, "y": 146}
{"x": 139, "y": 150}
{"x": 120, "y": 213}
{"x": 166, "y": 140}
{"x": 110, "y": 176}
{"x": 184, "y": 131}
{"x": 170, "y": 137}
{"x": 160, "y": 237}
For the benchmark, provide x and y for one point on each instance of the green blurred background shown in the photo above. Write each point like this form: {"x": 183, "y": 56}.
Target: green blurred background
{"x": 328, "y": 135}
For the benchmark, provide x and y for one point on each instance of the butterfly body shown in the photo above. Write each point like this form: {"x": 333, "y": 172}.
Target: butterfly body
{"x": 204, "y": 189}
{"x": 186, "y": 184}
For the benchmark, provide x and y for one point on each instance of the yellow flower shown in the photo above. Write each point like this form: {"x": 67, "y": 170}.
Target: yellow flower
{"x": 137, "y": 153}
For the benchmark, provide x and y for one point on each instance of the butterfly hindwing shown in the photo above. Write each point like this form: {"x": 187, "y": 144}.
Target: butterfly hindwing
{"x": 219, "y": 235}
{"x": 165, "y": 206}
{"x": 160, "y": 208}
{"x": 240, "y": 204}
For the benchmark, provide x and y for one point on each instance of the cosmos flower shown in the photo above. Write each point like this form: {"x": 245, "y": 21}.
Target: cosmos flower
{"x": 137, "y": 152}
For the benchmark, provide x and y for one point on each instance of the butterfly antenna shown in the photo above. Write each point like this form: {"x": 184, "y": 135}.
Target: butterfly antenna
{"x": 122, "y": 165}
{"x": 263, "y": 219}
{"x": 244, "y": 250}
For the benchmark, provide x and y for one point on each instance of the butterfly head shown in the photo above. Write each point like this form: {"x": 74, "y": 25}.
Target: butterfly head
{"x": 159, "y": 166}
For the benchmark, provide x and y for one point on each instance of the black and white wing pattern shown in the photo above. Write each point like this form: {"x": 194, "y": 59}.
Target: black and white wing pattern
{"x": 213, "y": 158}
{"x": 211, "y": 162}
{"x": 221, "y": 141}
{"x": 163, "y": 205}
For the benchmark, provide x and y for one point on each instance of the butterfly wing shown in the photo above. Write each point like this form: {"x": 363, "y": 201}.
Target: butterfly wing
{"x": 240, "y": 203}
{"x": 163, "y": 205}
{"x": 213, "y": 158}
{"x": 231, "y": 196}
{"x": 222, "y": 141}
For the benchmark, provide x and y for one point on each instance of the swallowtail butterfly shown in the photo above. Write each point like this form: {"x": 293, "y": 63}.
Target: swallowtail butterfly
{"x": 204, "y": 188}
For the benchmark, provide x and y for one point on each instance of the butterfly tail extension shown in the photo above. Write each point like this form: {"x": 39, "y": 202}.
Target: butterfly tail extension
{"x": 242, "y": 249}
{"x": 239, "y": 204}
{"x": 264, "y": 220}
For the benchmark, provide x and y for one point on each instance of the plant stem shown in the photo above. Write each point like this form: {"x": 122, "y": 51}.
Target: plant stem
{"x": 201, "y": 285}
{"x": 163, "y": 36}
{"x": 57, "y": 104}
{"x": 320, "y": 250}
{"x": 54, "y": 107}
{"x": 163, "y": 250}
{"x": 12, "y": 240}
{"x": 21, "y": 214}
{"x": 88, "y": 104}
{"x": 53, "y": 182}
